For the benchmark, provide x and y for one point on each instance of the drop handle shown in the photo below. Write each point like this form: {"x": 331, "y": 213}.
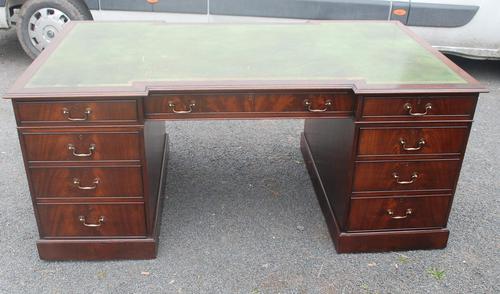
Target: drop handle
{"x": 409, "y": 108}
{"x": 189, "y": 110}
{"x": 308, "y": 105}
{"x": 396, "y": 177}
{"x": 67, "y": 114}
{"x": 408, "y": 212}
{"x": 72, "y": 148}
{"x": 76, "y": 183}
{"x": 99, "y": 223}
{"x": 418, "y": 145}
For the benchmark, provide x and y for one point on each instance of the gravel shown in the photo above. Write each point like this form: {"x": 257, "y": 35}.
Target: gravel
{"x": 241, "y": 216}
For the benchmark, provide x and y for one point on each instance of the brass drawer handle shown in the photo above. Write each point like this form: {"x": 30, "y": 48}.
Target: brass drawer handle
{"x": 172, "y": 107}
{"x": 413, "y": 178}
{"x": 308, "y": 104}
{"x": 408, "y": 212}
{"x": 73, "y": 149}
{"x": 418, "y": 145}
{"x": 85, "y": 117}
{"x": 84, "y": 222}
{"x": 409, "y": 108}
{"x": 76, "y": 182}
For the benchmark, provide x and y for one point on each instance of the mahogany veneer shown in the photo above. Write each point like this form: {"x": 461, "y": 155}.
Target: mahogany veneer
{"x": 95, "y": 145}
{"x": 67, "y": 112}
{"x": 249, "y": 105}
{"x": 408, "y": 141}
{"x": 439, "y": 107}
{"x": 332, "y": 102}
{"x": 398, "y": 213}
{"x": 383, "y": 151}
{"x": 411, "y": 175}
{"x": 92, "y": 220}
{"x": 85, "y": 182}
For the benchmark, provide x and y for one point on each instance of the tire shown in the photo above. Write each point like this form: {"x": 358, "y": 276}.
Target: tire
{"x": 41, "y": 20}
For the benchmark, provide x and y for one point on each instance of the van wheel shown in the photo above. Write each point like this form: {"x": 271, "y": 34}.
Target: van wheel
{"x": 41, "y": 20}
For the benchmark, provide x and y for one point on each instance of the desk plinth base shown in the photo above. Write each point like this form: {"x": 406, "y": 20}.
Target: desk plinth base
{"x": 109, "y": 248}
{"x": 106, "y": 249}
{"x": 346, "y": 242}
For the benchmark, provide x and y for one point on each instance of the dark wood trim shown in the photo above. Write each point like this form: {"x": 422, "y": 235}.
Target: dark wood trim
{"x": 140, "y": 89}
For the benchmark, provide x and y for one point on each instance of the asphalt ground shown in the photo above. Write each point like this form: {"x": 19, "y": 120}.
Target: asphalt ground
{"x": 241, "y": 216}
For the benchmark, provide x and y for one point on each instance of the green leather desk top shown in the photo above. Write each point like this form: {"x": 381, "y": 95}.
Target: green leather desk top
{"x": 102, "y": 56}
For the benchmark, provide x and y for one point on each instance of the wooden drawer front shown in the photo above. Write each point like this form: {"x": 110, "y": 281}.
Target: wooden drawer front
{"x": 82, "y": 220}
{"x": 398, "y": 213}
{"x": 423, "y": 175}
{"x": 313, "y": 103}
{"x": 89, "y": 145}
{"x": 57, "y": 182}
{"x": 182, "y": 105}
{"x": 77, "y": 112}
{"x": 412, "y": 141}
{"x": 437, "y": 108}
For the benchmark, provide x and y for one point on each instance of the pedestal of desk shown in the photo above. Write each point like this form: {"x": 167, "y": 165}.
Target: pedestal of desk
{"x": 385, "y": 178}
{"x": 346, "y": 242}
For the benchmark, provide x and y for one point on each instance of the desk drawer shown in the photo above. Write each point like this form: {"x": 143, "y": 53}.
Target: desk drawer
{"x": 92, "y": 220}
{"x": 425, "y": 108}
{"x": 398, "y": 213}
{"x": 308, "y": 103}
{"x": 59, "y": 182}
{"x": 406, "y": 175}
{"x": 82, "y": 146}
{"x": 192, "y": 105}
{"x": 74, "y": 112}
{"x": 412, "y": 141}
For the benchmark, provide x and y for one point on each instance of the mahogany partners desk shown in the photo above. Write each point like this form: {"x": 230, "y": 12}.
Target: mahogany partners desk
{"x": 387, "y": 123}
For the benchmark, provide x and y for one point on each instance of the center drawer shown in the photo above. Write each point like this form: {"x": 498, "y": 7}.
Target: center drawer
{"x": 82, "y": 146}
{"x": 60, "y": 182}
{"x": 249, "y": 105}
{"x": 379, "y": 176}
{"x": 92, "y": 220}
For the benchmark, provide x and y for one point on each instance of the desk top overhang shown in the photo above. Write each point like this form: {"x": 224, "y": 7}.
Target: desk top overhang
{"x": 137, "y": 58}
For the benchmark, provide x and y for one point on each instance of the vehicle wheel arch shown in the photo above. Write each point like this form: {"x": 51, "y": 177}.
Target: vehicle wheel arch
{"x": 13, "y": 4}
